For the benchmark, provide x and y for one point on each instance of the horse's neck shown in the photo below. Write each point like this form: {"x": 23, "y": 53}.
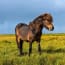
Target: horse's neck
{"x": 36, "y": 26}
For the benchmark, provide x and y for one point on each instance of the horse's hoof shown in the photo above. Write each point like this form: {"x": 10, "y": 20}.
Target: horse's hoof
{"x": 21, "y": 54}
{"x": 40, "y": 53}
{"x": 29, "y": 55}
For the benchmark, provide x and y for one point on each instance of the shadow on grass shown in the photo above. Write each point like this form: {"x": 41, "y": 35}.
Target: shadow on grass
{"x": 54, "y": 51}
{"x": 46, "y": 51}
{"x": 6, "y": 41}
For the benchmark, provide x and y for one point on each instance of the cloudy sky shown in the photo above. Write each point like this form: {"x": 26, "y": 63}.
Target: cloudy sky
{"x": 13, "y": 12}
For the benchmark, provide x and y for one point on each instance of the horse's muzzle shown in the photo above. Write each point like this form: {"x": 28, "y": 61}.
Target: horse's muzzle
{"x": 52, "y": 28}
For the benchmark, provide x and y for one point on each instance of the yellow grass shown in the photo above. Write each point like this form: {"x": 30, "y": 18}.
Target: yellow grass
{"x": 52, "y": 45}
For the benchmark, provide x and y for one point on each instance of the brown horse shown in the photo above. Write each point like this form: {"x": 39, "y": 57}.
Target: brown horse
{"x": 33, "y": 31}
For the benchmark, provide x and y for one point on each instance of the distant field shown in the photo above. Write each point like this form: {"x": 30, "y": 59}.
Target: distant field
{"x": 53, "y": 51}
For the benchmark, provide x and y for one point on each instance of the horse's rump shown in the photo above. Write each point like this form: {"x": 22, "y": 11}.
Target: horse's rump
{"x": 25, "y": 33}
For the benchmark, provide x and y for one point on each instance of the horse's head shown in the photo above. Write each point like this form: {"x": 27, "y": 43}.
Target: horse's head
{"x": 48, "y": 21}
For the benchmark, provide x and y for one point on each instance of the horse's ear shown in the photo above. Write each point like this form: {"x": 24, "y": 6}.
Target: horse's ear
{"x": 44, "y": 15}
{"x": 47, "y": 16}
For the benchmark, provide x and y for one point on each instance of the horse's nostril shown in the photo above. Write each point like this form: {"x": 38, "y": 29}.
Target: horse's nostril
{"x": 52, "y": 28}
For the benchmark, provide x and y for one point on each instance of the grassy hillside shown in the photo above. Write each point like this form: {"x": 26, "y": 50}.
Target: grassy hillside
{"x": 53, "y": 51}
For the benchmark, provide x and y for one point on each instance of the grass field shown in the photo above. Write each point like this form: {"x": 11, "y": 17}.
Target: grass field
{"x": 53, "y": 51}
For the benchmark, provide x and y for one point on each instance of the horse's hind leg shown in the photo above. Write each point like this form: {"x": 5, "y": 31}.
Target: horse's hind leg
{"x": 30, "y": 48}
{"x": 19, "y": 44}
{"x": 21, "y": 47}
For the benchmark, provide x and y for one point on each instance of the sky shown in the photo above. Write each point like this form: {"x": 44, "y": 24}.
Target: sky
{"x": 13, "y": 12}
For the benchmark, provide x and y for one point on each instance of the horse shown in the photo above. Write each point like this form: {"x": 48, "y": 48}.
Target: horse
{"x": 33, "y": 31}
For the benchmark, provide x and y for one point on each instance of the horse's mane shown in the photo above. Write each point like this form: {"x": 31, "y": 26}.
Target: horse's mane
{"x": 36, "y": 20}
{"x": 42, "y": 17}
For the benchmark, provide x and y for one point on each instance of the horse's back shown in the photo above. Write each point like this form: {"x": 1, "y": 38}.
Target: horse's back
{"x": 20, "y": 25}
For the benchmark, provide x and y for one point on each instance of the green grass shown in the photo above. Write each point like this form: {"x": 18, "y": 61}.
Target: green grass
{"x": 52, "y": 45}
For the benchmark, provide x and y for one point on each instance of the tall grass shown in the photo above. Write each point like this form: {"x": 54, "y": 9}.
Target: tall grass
{"x": 53, "y": 51}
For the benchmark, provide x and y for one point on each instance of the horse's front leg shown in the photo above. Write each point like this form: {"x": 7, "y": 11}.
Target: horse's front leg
{"x": 30, "y": 48}
{"x": 39, "y": 47}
